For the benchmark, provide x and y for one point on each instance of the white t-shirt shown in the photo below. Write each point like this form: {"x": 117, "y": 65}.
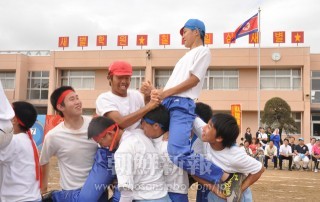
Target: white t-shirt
{"x": 285, "y": 149}
{"x": 195, "y": 62}
{"x": 107, "y": 102}
{"x": 231, "y": 160}
{"x": 18, "y": 171}
{"x": 74, "y": 151}
{"x": 263, "y": 136}
{"x": 309, "y": 147}
{"x": 176, "y": 178}
{"x": 138, "y": 167}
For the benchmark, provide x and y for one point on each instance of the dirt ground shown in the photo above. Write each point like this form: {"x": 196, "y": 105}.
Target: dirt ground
{"x": 274, "y": 185}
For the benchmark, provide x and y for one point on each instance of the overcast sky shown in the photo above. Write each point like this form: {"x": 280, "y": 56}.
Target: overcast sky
{"x": 37, "y": 24}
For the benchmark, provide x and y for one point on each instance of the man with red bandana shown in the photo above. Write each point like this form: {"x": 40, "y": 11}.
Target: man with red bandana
{"x": 125, "y": 106}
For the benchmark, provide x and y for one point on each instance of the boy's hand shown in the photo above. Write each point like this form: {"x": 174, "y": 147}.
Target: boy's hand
{"x": 146, "y": 88}
{"x": 157, "y": 94}
{"x": 154, "y": 102}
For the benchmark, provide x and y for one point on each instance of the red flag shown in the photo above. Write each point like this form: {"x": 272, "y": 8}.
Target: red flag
{"x": 248, "y": 27}
{"x": 279, "y": 37}
{"x": 208, "y": 38}
{"x": 64, "y": 41}
{"x": 164, "y": 39}
{"x": 142, "y": 40}
{"x": 227, "y": 36}
{"x": 297, "y": 37}
{"x": 102, "y": 40}
{"x": 122, "y": 40}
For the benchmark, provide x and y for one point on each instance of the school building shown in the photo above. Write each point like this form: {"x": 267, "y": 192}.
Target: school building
{"x": 292, "y": 73}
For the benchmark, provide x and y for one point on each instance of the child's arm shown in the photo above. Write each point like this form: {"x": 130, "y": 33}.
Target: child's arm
{"x": 251, "y": 178}
{"x": 184, "y": 86}
{"x": 212, "y": 187}
{"x": 44, "y": 178}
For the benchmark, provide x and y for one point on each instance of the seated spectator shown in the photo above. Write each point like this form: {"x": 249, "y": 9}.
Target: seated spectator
{"x": 285, "y": 153}
{"x": 301, "y": 151}
{"x": 246, "y": 148}
{"x": 248, "y": 135}
{"x": 316, "y": 155}
{"x": 310, "y": 145}
{"x": 254, "y": 146}
{"x": 270, "y": 153}
{"x": 260, "y": 153}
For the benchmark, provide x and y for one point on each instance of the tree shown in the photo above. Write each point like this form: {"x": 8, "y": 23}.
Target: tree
{"x": 277, "y": 114}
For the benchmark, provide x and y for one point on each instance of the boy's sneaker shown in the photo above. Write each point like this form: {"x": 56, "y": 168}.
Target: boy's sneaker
{"x": 232, "y": 188}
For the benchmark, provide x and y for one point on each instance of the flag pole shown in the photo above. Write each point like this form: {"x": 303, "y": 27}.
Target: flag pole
{"x": 258, "y": 91}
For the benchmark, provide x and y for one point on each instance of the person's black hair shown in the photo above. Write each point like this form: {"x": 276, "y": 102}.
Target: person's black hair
{"x": 202, "y": 35}
{"x": 26, "y": 113}
{"x": 246, "y": 141}
{"x": 271, "y": 141}
{"x": 97, "y": 125}
{"x": 226, "y": 127}
{"x": 285, "y": 139}
{"x": 293, "y": 137}
{"x": 160, "y": 115}
{"x": 204, "y": 111}
{"x": 55, "y": 96}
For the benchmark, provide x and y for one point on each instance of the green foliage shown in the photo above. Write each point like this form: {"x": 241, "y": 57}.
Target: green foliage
{"x": 277, "y": 114}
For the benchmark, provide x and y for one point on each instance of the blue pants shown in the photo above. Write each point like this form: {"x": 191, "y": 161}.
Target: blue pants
{"x": 246, "y": 197}
{"x": 176, "y": 197}
{"x": 202, "y": 194}
{"x": 101, "y": 175}
{"x": 181, "y": 121}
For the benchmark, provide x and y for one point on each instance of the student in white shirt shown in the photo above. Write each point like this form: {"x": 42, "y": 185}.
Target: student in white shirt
{"x": 154, "y": 124}
{"x": 270, "y": 152}
{"x": 19, "y": 160}
{"x": 69, "y": 142}
{"x": 125, "y": 106}
{"x": 219, "y": 137}
{"x": 285, "y": 153}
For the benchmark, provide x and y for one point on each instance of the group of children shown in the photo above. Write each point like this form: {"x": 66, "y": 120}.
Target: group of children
{"x": 143, "y": 146}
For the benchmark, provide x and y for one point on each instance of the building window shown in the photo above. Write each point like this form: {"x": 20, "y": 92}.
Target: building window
{"x": 278, "y": 79}
{"x": 221, "y": 79}
{"x": 38, "y": 83}
{"x": 8, "y": 80}
{"x": 80, "y": 80}
{"x": 137, "y": 78}
{"x": 315, "y": 87}
{"x": 162, "y": 77}
{"x": 297, "y": 119}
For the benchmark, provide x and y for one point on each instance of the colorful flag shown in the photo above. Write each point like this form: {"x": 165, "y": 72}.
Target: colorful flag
{"x": 82, "y": 41}
{"x": 208, "y": 38}
{"x": 297, "y": 37}
{"x": 279, "y": 37}
{"x": 164, "y": 39}
{"x": 227, "y": 36}
{"x": 64, "y": 41}
{"x": 122, "y": 40}
{"x": 248, "y": 27}
{"x": 254, "y": 38}
{"x": 102, "y": 40}
{"x": 142, "y": 40}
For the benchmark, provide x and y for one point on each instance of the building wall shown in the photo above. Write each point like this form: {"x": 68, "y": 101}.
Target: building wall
{"x": 243, "y": 59}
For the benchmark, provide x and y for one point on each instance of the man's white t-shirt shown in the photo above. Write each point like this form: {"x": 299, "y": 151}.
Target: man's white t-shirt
{"x": 196, "y": 62}
{"x": 74, "y": 151}
{"x": 285, "y": 149}
{"x": 230, "y": 160}
{"x": 18, "y": 171}
{"x": 138, "y": 167}
{"x": 176, "y": 178}
{"x": 107, "y": 102}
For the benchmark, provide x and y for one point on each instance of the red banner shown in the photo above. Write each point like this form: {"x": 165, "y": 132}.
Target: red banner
{"x": 122, "y": 40}
{"x": 279, "y": 37}
{"x": 64, "y": 41}
{"x": 254, "y": 38}
{"x": 164, "y": 39}
{"x": 102, "y": 40}
{"x": 208, "y": 38}
{"x": 227, "y": 37}
{"x": 236, "y": 113}
{"x": 142, "y": 40}
{"x": 297, "y": 37}
{"x": 82, "y": 41}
